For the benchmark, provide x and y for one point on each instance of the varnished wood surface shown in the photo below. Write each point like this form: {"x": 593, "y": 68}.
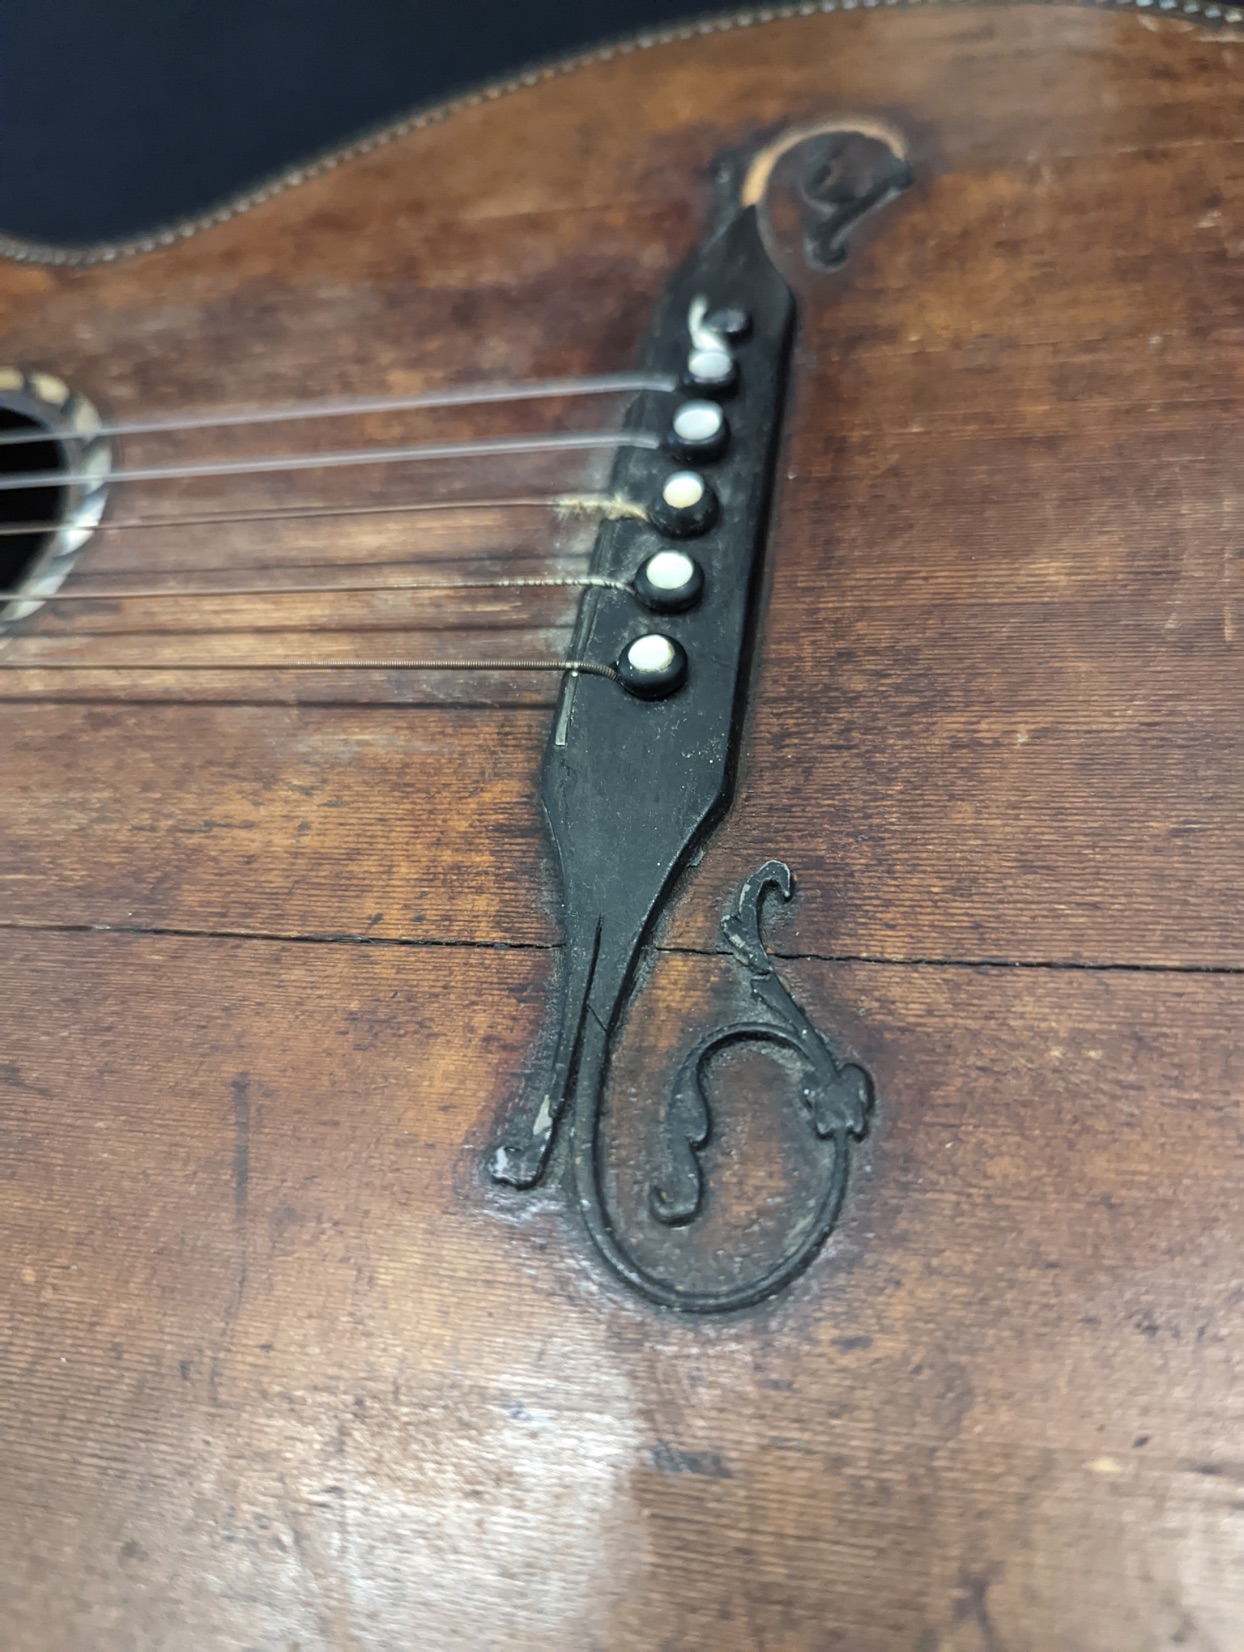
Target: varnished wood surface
{"x": 278, "y": 1367}
{"x": 280, "y": 1370}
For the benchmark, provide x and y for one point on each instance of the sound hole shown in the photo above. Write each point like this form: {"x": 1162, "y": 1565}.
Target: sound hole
{"x": 28, "y": 515}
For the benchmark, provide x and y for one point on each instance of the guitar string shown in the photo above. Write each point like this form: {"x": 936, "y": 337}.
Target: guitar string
{"x": 479, "y": 449}
{"x": 563, "y": 504}
{"x": 155, "y": 593}
{"x": 355, "y": 566}
{"x": 77, "y": 635}
{"x": 459, "y": 397}
{"x": 569, "y": 504}
{"x": 598, "y": 582}
{"x": 325, "y": 588}
{"x": 598, "y": 384}
{"x": 586, "y": 668}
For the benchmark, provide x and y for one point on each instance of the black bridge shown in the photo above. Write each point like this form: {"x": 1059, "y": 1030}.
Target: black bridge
{"x": 639, "y": 769}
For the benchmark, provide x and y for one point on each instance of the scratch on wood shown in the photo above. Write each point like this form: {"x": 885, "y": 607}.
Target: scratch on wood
{"x": 974, "y": 1608}
{"x": 12, "y": 1078}
{"x": 241, "y": 1087}
{"x": 668, "y": 1459}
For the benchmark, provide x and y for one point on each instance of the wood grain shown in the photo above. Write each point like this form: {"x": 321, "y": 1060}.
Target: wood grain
{"x": 279, "y": 1367}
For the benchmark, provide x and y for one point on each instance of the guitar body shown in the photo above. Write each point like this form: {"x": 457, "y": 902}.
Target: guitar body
{"x": 282, "y": 1365}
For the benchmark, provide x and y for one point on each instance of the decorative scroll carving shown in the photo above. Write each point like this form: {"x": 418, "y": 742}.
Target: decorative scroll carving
{"x": 837, "y": 1098}
{"x": 816, "y": 184}
{"x": 848, "y": 174}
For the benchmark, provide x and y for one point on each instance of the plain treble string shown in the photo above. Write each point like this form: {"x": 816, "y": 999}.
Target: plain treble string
{"x": 599, "y": 582}
{"x": 459, "y": 396}
{"x": 483, "y": 448}
{"x": 584, "y": 668}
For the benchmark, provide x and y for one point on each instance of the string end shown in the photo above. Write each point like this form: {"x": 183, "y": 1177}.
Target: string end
{"x": 608, "y": 507}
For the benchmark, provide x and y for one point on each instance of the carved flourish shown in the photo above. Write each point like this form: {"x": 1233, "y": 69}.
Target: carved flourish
{"x": 837, "y": 1098}
{"x": 850, "y": 174}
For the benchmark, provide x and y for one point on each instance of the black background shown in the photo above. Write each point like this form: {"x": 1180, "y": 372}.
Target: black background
{"x": 116, "y": 115}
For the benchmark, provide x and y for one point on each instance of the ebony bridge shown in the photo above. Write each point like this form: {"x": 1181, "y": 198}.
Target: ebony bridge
{"x": 635, "y": 781}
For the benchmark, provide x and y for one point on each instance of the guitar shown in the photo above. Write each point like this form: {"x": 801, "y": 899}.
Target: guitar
{"x": 621, "y": 931}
